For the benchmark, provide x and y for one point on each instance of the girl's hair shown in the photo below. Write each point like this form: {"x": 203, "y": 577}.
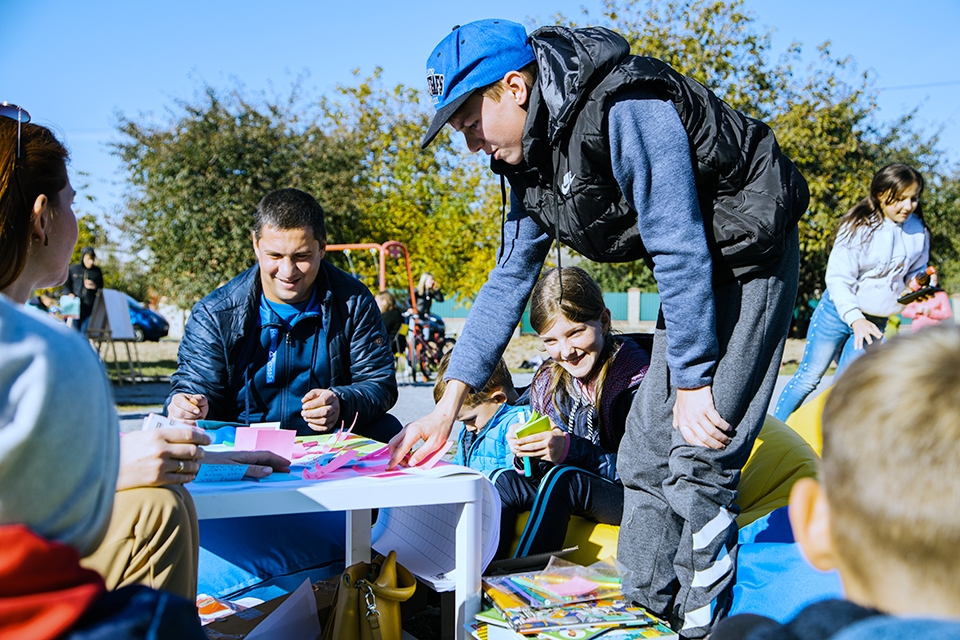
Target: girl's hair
{"x": 582, "y": 301}
{"x": 422, "y": 285}
{"x": 43, "y": 171}
{"x": 890, "y": 183}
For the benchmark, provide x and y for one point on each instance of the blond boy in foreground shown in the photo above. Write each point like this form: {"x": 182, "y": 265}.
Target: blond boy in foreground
{"x": 886, "y": 512}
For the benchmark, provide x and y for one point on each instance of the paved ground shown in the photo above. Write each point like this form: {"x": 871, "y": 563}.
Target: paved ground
{"x": 135, "y": 401}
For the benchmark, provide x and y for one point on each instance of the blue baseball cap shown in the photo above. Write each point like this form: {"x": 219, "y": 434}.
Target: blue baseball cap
{"x": 470, "y": 58}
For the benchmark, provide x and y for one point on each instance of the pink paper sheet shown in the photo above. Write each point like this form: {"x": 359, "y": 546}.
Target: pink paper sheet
{"x": 575, "y": 586}
{"x": 279, "y": 441}
{"x": 321, "y": 471}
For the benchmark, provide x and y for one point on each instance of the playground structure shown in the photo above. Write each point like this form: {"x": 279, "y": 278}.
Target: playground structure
{"x": 426, "y": 342}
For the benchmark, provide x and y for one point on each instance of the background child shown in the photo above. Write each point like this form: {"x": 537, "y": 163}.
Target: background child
{"x": 881, "y": 244}
{"x": 885, "y": 512}
{"x": 586, "y": 389}
{"x": 427, "y": 292}
{"x": 392, "y": 319}
{"x": 486, "y": 417}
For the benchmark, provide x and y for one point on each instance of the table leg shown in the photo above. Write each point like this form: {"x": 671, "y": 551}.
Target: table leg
{"x": 469, "y": 552}
{"x": 358, "y": 536}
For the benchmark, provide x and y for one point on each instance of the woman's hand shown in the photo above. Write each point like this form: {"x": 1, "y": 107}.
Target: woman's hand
{"x": 546, "y": 445}
{"x": 260, "y": 463}
{"x": 159, "y": 457}
{"x": 863, "y": 329}
{"x": 695, "y": 415}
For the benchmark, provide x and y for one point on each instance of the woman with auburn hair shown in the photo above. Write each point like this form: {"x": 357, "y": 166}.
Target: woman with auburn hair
{"x": 52, "y": 385}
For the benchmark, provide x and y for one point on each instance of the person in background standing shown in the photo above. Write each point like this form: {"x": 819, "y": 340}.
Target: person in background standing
{"x": 84, "y": 281}
{"x": 880, "y": 248}
{"x": 427, "y": 292}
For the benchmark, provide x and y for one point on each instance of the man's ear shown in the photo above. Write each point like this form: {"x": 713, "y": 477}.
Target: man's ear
{"x": 517, "y": 86}
{"x": 810, "y": 520}
{"x": 256, "y": 246}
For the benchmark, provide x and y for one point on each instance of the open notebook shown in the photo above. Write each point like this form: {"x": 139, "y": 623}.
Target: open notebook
{"x": 424, "y": 537}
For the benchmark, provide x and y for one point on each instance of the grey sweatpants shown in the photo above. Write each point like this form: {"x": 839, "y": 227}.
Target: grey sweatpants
{"x": 678, "y": 533}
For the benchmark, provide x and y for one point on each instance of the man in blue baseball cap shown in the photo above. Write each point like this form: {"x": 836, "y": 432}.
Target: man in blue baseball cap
{"x": 622, "y": 158}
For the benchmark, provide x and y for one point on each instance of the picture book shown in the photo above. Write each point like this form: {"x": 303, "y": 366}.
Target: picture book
{"x": 560, "y": 583}
{"x": 612, "y": 612}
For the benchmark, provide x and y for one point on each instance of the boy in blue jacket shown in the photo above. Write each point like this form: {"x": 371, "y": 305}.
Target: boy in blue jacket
{"x": 486, "y": 416}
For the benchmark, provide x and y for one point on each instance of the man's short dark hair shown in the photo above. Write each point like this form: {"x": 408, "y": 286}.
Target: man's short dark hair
{"x": 290, "y": 209}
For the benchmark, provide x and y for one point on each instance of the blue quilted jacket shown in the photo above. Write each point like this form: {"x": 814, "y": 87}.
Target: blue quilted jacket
{"x": 489, "y": 450}
{"x": 222, "y": 333}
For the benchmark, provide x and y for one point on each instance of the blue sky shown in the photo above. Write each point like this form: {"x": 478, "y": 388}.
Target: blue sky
{"x": 75, "y": 64}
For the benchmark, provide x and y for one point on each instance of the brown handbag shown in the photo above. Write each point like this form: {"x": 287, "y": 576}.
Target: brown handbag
{"x": 366, "y": 605}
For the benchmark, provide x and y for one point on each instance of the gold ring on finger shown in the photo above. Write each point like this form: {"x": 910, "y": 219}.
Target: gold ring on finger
{"x": 180, "y": 467}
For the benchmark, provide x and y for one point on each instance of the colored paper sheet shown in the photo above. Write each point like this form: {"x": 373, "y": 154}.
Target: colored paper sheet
{"x": 535, "y": 425}
{"x": 221, "y": 472}
{"x": 279, "y": 441}
{"x": 430, "y": 461}
{"x": 321, "y": 470}
{"x": 575, "y": 586}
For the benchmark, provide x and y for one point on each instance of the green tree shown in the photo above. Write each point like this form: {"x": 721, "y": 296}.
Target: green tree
{"x": 440, "y": 202}
{"x": 195, "y": 181}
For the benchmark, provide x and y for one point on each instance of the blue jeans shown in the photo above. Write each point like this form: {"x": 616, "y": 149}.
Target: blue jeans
{"x": 827, "y": 336}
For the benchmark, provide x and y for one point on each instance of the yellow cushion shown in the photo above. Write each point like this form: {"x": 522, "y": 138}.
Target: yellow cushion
{"x": 806, "y": 420}
{"x": 779, "y": 458}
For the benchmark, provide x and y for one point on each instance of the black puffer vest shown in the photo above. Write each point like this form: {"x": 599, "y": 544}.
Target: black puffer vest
{"x": 750, "y": 193}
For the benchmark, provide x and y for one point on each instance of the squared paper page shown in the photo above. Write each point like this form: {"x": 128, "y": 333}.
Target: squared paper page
{"x": 424, "y": 537}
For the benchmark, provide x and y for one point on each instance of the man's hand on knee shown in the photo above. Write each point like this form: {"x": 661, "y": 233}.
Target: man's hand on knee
{"x": 695, "y": 415}
{"x": 187, "y": 407}
{"x": 321, "y": 409}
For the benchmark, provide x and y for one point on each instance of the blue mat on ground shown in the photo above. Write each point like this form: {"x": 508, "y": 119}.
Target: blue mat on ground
{"x": 773, "y": 577}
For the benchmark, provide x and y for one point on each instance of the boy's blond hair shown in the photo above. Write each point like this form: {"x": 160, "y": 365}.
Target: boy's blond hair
{"x": 891, "y": 459}
{"x": 495, "y": 90}
{"x": 500, "y": 379}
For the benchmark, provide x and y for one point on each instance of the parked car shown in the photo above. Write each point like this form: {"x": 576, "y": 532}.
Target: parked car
{"x": 147, "y": 324}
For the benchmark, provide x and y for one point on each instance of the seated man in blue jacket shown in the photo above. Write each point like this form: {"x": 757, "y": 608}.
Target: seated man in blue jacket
{"x": 292, "y": 340}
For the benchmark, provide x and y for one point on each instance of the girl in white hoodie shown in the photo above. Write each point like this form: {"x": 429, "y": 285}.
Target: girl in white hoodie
{"x": 880, "y": 246}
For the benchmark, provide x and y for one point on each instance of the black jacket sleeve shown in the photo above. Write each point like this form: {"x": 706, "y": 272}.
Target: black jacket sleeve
{"x": 370, "y": 389}
{"x": 202, "y": 362}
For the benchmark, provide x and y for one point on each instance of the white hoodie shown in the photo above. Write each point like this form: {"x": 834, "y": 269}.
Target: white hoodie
{"x": 868, "y": 270}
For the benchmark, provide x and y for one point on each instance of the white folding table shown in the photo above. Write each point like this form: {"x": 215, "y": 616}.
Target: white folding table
{"x": 358, "y": 497}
